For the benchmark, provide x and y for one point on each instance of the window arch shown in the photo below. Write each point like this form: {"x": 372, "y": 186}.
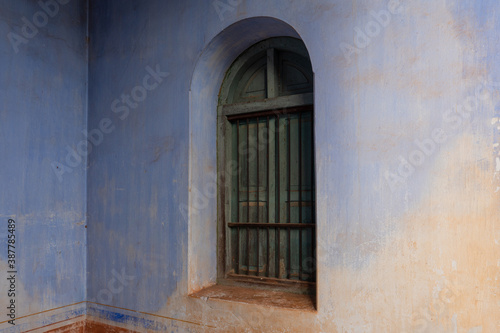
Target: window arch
{"x": 266, "y": 210}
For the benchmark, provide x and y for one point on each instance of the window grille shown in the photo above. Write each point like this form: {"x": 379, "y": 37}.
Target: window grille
{"x": 267, "y": 207}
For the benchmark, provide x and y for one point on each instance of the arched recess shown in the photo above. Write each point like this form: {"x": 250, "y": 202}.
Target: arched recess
{"x": 206, "y": 82}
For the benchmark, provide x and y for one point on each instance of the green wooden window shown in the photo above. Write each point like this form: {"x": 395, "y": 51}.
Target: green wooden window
{"x": 267, "y": 206}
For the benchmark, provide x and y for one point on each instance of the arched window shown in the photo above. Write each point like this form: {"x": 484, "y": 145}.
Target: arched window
{"x": 266, "y": 209}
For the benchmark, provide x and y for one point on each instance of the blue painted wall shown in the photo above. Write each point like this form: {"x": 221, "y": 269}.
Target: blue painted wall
{"x": 408, "y": 228}
{"x": 138, "y": 174}
{"x": 389, "y": 231}
{"x": 43, "y": 111}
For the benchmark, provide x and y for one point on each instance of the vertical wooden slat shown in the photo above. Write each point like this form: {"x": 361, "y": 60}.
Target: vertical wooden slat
{"x": 300, "y": 195}
{"x": 300, "y": 167}
{"x": 289, "y": 169}
{"x": 268, "y": 195}
{"x": 248, "y": 195}
{"x": 238, "y": 195}
{"x": 258, "y": 200}
{"x": 278, "y": 201}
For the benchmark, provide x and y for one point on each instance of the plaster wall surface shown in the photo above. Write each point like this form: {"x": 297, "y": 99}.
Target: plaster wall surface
{"x": 43, "y": 111}
{"x": 407, "y": 200}
{"x": 406, "y": 160}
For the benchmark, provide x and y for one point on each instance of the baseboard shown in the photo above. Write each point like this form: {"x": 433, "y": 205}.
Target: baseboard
{"x": 95, "y": 327}
{"x": 78, "y": 327}
{"x": 88, "y": 326}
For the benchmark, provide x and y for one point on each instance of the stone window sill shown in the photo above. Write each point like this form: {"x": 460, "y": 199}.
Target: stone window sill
{"x": 262, "y": 297}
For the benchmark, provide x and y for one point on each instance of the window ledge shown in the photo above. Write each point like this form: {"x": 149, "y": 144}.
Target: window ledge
{"x": 268, "y": 298}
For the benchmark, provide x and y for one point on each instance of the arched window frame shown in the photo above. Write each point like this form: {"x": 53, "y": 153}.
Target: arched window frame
{"x": 278, "y": 101}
